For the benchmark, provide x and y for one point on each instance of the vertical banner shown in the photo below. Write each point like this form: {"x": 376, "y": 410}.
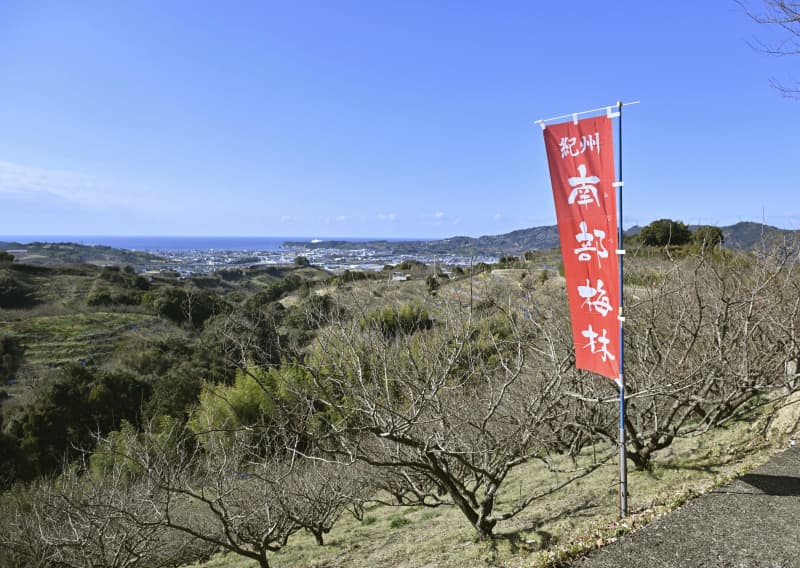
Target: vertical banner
{"x": 581, "y": 160}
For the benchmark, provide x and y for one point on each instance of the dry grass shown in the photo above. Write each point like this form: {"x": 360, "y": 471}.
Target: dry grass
{"x": 58, "y": 339}
{"x": 557, "y": 527}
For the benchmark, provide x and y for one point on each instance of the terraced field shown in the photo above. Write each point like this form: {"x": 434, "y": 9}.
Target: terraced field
{"x": 51, "y": 341}
{"x": 64, "y": 286}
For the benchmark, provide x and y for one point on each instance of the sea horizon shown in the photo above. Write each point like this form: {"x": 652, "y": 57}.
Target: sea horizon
{"x": 189, "y": 242}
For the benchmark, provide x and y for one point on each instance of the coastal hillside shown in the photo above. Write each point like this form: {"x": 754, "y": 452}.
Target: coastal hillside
{"x": 74, "y": 253}
{"x": 740, "y": 236}
{"x": 745, "y": 235}
{"x": 308, "y": 400}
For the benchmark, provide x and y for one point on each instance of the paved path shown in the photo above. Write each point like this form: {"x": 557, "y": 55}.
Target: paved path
{"x": 752, "y": 522}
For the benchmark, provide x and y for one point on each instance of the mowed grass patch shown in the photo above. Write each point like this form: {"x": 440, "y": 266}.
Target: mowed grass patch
{"x": 363, "y": 296}
{"x": 62, "y": 286}
{"x": 559, "y": 526}
{"x": 66, "y": 290}
{"x": 57, "y": 339}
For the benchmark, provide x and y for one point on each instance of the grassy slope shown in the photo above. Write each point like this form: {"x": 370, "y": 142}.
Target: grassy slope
{"x": 566, "y": 522}
{"x": 56, "y": 339}
{"x": 574, "y": 519}
{"x": 60, "y": 328}
{"x": 414, "y": 536}
{"x": 53, "y": 340}
{"x": 59, "y": 287}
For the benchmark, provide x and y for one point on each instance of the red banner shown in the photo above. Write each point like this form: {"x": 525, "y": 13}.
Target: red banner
{"x": 581, "y": 160}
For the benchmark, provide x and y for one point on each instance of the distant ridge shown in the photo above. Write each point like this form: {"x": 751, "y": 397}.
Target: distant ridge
{"x": 747, "y": 235}
{"x": 515, "y": 242}
{"x": 744, "y": 235}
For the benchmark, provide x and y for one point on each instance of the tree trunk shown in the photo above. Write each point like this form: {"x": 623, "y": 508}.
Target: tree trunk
{"x": 482, "y": 525}
{"x": 641, "y": 458}
{"x": 484, "y": 528}
{"x": 485, "y": 523}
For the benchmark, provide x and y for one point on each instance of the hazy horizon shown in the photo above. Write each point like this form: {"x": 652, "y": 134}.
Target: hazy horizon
{"x": 43, "y": 237}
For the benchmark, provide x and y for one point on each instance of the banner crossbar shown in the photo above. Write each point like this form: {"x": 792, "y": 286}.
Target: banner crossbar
{"x": 543, "y": 122}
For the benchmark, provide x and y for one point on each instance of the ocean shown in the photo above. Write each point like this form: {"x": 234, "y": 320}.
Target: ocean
{"x": 156, "y": 243}
{"x": 176, "y": 244}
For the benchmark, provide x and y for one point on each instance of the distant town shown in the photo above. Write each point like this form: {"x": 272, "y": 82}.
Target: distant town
{"x": 333, "y": 259}
{"x": 339, "y": 255}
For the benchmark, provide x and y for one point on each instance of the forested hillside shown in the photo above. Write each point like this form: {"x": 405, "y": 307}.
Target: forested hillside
{"x": 155, "y": 421}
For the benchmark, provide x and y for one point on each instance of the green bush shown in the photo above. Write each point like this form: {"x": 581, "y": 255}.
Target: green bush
{"x": 189, "y": 306}
{"x": 665, "y": 232}
{"x": 407, "y": 319}
{"x": 11, "y": 352}
{"x": 66, "y": 416}
{"x": 708, "y": 236}
{"x": 14, "y": 294}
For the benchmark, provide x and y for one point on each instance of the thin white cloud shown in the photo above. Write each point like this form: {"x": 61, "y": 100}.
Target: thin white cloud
{"x": 440, "y": 218}
{"x": 37, "y": 184}
{"x": 391, "y": 217}
{"x": 498, "y": 216}
{"x": 337, "y": 219}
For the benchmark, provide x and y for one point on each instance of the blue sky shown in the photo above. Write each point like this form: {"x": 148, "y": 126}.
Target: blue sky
{"x": 378, "y": 118}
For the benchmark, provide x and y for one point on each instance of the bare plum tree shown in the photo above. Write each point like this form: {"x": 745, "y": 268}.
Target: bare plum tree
{"x": 318, "y": 492}
{"x": 82, "y": 520}
{"x": 459, "y": 405}
{"x": 785, "y": 16}
{"x": 707, "y": 339}
{"x": 163, "y": 498}
{"x": 219, "y": 494}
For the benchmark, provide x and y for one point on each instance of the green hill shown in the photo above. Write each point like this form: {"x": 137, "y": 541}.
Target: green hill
{"x": 72, "y": 253}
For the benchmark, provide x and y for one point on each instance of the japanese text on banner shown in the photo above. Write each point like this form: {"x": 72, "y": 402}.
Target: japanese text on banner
{"x": 581, "y": 161}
